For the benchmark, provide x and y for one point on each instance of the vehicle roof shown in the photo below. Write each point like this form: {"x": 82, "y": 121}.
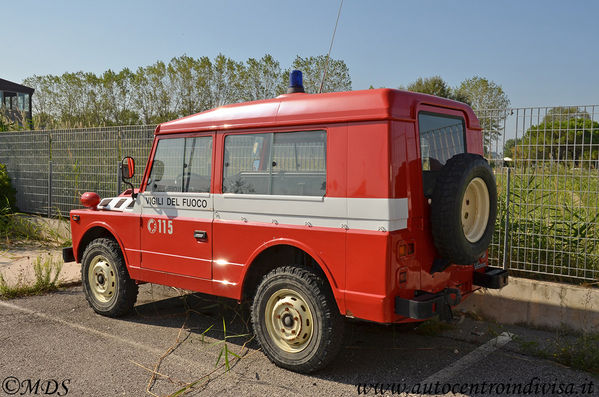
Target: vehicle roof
{"x": 304, "y": 109}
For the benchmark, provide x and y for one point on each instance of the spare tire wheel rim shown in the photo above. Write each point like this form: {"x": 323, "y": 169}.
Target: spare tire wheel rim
{"x": 289, "y": 320}
{"x": 475, "y": 210}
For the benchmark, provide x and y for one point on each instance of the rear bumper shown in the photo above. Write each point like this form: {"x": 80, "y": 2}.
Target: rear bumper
{"x": 493, "y": 277}
{"x": 428, "y": 305}
{"x": 68, "y": 255}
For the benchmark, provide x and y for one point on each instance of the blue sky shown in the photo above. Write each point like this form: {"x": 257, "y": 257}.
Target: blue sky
{"x": 543, "y": 53}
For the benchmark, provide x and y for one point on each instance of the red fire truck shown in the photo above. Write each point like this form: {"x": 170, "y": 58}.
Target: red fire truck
{"x": 374, "y": 205}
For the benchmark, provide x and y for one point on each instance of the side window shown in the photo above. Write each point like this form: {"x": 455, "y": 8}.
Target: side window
{"x": 288, "y": 163}
{"x": 299, "y": 163}
{"x": 246, "y": 169}
{"x": 181, "y": 165}
{"x": 197, "y": 167}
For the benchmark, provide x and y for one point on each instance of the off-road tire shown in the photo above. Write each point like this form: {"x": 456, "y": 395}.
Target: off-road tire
{"x": 449, "y": 236}
{"x": 327, "y": 326}
{"x": 125, "y": 290}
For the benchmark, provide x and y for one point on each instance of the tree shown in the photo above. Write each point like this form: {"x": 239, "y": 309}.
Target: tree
{"x": 508, "y": 147}
{"x": 479, "y": 93}
{"x": 430, "y": 85}
{"x": 561, "y": 113}
{"x": 435, "y": 85}
{"x": 483, "y": 94}
{"x": 489, "y": 101}
{"x": 44, "y": 100}
{"x": 184, "y": 73}
{"x": 263, "y": 78}
{"x": 164, "y": 91}
{"x": 337, "y": 78}
{"x": 161, "y": 92}
{"x": 574, "y": 140}
{"x": 117, "y": 97}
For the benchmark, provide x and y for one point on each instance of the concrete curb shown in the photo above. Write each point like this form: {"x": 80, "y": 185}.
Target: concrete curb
{"x": 538, "y": 304}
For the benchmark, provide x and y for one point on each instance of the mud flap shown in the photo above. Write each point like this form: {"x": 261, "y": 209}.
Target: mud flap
{"x": 68, "y": 255}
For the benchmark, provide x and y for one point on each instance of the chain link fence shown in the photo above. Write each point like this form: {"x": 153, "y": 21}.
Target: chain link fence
{"x": 26, "y": 156}
{"x": 51, "y": 169}
{"x": 546, "y": 163}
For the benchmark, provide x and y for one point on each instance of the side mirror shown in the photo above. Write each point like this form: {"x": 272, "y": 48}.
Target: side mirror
{"x": 128, "y": 168}
{"x": 127, "y": 172}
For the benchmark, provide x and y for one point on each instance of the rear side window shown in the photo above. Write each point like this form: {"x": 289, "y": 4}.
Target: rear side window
{"x": 289, "y": 163}
{"x": 441, "y": 138}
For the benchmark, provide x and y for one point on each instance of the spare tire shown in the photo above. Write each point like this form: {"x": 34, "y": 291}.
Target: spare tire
{"x": 463, "y": 208}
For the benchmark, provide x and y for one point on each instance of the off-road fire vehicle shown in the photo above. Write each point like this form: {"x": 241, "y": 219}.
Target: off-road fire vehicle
{"x": 374, "y": 205}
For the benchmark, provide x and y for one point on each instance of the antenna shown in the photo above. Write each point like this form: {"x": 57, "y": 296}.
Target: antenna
{"x": 326, "y": 65}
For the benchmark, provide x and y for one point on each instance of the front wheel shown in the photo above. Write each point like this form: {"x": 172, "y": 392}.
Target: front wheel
{"x": 296, "y": 320}
{"x": 108, "y": 288}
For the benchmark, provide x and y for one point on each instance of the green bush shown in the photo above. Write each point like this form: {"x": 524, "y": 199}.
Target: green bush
{"x": 7, "y": 192}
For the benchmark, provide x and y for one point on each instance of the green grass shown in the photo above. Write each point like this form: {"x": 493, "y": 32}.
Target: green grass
{"x": 46, "y": 270}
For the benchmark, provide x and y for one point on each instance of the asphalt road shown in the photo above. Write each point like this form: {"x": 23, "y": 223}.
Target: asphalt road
{"x": 58, "y": 340}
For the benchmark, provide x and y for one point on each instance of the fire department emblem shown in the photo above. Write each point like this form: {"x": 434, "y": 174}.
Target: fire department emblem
{"x": 152, "y": 226}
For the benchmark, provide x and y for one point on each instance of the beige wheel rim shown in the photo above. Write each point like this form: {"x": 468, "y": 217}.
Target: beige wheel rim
{"x": 101, "y": 277}
{"x": 475, "y": 210}
{"x": 289, "y": 320}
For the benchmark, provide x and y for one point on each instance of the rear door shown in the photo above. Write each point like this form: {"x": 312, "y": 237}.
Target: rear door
{"x": 177, "y": 209}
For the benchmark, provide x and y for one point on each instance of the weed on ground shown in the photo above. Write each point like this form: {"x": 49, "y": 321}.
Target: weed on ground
{"x": 46, "y": 270}
{"x": 433, "y": 327}
{"x": 18, "y": 229}
{"x": 579, "y": 351}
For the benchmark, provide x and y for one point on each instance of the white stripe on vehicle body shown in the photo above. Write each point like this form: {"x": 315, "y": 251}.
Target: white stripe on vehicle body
{"x": 373, "y": 214}
{"x": 352, "y": 213}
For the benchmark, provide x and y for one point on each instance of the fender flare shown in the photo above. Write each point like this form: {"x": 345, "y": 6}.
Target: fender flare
{"x": 339, "y": 295}
{"x": 106, "y": 226}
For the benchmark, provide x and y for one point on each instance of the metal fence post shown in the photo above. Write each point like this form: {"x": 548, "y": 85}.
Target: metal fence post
{"x": 119, "y": 142}
{"x": 507, "y": 219}
{"x": 119, "y": 171}
{"x": 49, "y": 188}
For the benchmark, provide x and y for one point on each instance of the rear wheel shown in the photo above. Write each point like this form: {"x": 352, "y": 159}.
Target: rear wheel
{"x": 296, "y": 320}
{"x": 106, "y": 283}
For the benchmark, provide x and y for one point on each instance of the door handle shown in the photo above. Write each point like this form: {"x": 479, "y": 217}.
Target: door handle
{"x": 200, "y": 235}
